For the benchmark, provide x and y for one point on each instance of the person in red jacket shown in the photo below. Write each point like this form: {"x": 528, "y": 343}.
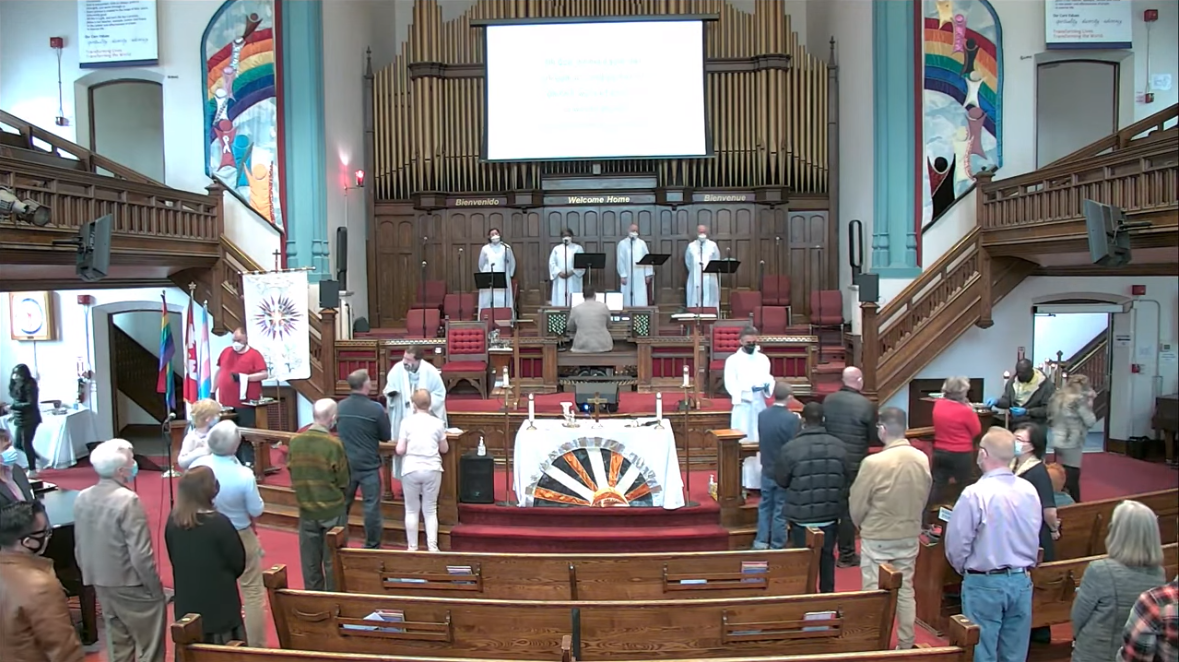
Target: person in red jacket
{"x": 237, "y": 363}
{"x": 955, "y": 427}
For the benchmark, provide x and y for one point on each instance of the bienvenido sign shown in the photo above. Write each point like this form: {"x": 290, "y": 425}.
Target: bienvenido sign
{"x": 477, "y": 202}
{"x": 117, "y": 33}
{"x": 1083, "y": 24}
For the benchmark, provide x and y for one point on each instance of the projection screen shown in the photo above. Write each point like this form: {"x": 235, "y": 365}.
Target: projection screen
{"x": 625, "y": 89}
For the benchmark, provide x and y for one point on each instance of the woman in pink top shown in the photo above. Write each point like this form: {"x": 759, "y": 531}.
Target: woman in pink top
{"x": 955, "y": 427}
{"x": 421, "y": 442}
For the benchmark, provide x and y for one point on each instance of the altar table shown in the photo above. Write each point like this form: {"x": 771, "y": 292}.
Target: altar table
{"x": 608, "y": 464}
{"x": 61, "y": 438}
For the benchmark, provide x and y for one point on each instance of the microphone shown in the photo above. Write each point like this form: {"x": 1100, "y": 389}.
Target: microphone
{"x": 460, "y": 249}
{"x": 423, "y": 264}
{"x": 171, "y": 416}
{"x": 777, "y": 240}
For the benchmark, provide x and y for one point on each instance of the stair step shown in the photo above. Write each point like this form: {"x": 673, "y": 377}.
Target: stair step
{"x": 581, "y": 519}
{"x": 468, "y": 537}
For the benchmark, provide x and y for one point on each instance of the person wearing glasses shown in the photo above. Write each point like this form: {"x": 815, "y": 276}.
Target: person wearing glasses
{"x": 35, "y": 619}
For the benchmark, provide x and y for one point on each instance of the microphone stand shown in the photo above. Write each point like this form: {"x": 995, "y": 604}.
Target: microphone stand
{"x": 460, "y": 288}
{"x": 564, "y": 266}
{"x": 166, "y": 435}
{"x": 700, "y": 287}
{"x": 422, "y": 294}
{"x": 630, "y": 280}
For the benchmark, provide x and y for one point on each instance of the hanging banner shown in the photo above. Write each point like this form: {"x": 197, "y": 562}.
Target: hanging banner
{"x": 276, "y": 307}
{"x": 117, "y": 33}
{"x": 1084, "y": 24}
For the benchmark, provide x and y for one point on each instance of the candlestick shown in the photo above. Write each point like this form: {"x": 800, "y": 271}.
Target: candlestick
{"x": 686, "y": 382}
{"x": 531, "y": 412}
{"x": 659, "y": 410}
{"x": 506, "y": 377}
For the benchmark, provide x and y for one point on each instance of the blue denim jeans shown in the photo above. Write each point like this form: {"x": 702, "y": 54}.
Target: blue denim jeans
{"x": 369, "y": 484}
{"x": 771, "y": 520}
{"x": 826, "y": 558}
{"x": 1001, "y": 606}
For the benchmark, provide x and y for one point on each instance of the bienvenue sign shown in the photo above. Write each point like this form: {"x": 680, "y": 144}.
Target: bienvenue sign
{"x": 1089, "y": 24}
{"x": 117, "y": 33}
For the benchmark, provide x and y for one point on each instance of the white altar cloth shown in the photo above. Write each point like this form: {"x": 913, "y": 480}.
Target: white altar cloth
{"x": 646, "y": 463}
{"x": 61, "y": 438}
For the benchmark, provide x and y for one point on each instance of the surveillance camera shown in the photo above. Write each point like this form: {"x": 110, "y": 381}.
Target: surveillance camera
{"x": 28, "y": 211}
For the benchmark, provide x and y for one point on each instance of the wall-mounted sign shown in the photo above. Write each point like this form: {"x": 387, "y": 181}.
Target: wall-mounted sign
{"x": 477, "y": 202}
{"x": 1101, "y": 24}
{"x": 600, "y": 199}
{"x": 724, "y": 196}
{"x": 117, "y": 33}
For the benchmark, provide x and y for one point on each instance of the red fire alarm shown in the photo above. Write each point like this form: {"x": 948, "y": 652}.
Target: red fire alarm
{"x": 1138, "y": 290}
{"x": 1150, "y": 15}
{"x": 57, "y": 42}
{"x": 1136, "y": 368}
{"x": 85, "y": 300}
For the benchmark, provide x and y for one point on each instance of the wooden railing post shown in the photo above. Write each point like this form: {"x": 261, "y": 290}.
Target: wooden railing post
{"x": 986, "y": 298}
{"x": 981, "y": 183}
{"x": 327, "y": 351}
{"x": 869, "y": 347}
{"x": 728, "y": 475}
{"x": 448, "y": 494}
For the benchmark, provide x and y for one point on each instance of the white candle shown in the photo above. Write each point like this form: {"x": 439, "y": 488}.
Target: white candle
{"x": 659, "y": 407}
{"x": 506, "y": 377}
{"x": 531, "y": 407}
{"x": 686, "y": 382}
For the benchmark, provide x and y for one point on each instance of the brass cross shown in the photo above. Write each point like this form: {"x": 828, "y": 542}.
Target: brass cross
{"x": 597, "y": 401}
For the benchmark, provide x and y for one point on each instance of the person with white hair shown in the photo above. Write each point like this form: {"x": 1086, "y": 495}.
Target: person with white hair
{"x": 112, "y": 543}
{"x": 319, "y": 473}
{"x": 238, "y": 499}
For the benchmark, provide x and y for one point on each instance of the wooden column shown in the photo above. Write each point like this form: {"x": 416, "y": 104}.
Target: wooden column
{"x": 448, "y": 494}
{"x": 327, "y": 352}
{"x": 869, "y": 347}
{"x": 728, "y": 475}
{"x": 986, "y": 298}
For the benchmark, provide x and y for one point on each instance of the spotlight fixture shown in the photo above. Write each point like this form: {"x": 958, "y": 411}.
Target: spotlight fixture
{"x": 359, "y": 179}
{"x": 28, "y": 211}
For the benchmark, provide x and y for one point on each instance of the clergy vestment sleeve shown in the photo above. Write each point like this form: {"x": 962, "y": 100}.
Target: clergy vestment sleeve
{"x": 511, "y": 261}
{"x": 555, "y": 262}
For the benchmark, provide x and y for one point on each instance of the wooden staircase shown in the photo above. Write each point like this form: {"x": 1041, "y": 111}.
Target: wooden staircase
{"x": 1092, "y": 360}
{"x": 137, "y": 375}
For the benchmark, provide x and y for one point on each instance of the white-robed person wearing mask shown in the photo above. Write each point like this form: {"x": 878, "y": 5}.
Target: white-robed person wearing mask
{"x": 703, "y": 289}
{"x": 496, "y": 256}
{"x": 748, "y": 381}
{"x": 633, "y": 276}
{"x": 566, "y": 280}
{"x": 408, "y": 375}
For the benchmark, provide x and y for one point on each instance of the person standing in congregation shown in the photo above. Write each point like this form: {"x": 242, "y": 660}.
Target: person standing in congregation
{"x": 406, "y": 376}
{"x": 851, "y": 418}
{"x": 112, "y": 544}
{"x": 1070, "y": 415}
{"x": 240, "y": 501}
{"x": 747, "y": 381}
{"x": 1152, "y": 631}
{"x": 776, "y": 426}
{"x": 993, "y": 541}
{"x": 207, "y": 559}
{"x": 1031, "y": 443}
{"x": 703, "y": 290}
{"x": 240, "y": 363}
{"x": 14, "y": 482}
{"x": 813, "y": 469}
{"x": 204, "y": 414}
{"x": 589, "y": 324}
{"x": 319, "y": 475}
{"x": 634, "y": 277}
{"x": 422, "y": 442}
{"x": 1026, "y": 395}
{"x": 566, "y": 280}
{"x": 496, "y": 256}
{"x": 363, "y": 426}
{"x": 886, "y": 503}
{"x": 955, "y": 427}
{"x": 26, "y": 413}
{"x": 35, "y": 622}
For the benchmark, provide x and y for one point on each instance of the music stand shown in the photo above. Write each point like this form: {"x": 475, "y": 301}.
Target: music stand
{"x": 652, "y": 260}
{"x": 589, "y": 262}
{"x": 724, "y": 265}
{"x": 492, "y": 280}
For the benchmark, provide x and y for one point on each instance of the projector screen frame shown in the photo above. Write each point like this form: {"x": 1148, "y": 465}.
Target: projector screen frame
{"x": 703, "y": 19}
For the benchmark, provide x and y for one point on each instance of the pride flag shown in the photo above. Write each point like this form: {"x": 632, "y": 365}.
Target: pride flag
{"x": 190, "y": 356}
{"x": 165, "y": 384}
{"x": 205, "y": 358}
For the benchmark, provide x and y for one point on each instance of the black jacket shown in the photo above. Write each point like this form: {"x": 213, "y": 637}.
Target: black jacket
{"x": 851, "y": 417}
{"x": 26, "y": 408}
{"x": 1037, "y": 405}
{"x": 22, "y": 483}
{"x": 813, "y": 469}
{"x": 206, "y": 562}
{"x": 775, "y": 426}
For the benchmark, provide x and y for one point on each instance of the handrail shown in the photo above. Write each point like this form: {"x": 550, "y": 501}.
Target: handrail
{"x": 945, "y": 212}
{"x": 1121, "y": 138}
{"x": 921, "y": 282}
{"x": 91, "y": 160}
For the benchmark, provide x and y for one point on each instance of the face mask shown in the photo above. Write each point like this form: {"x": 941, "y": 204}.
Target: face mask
{"x": 134, "y": 472}
{"x": 239, "y": 346}
{"x": 495, "y": 239}
{"x": 40, "y": 543}
{"x": 10, "y": 457}
{"x": 1022, "y": 448}
{"x": 702, "y": 237}
{"x": 566, "y": 240}
{"x": 634, "y": 235}
{"x": 749, "y": 349}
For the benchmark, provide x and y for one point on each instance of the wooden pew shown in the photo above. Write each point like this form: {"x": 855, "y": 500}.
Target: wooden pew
{"x": 1084, "y": 527}
{"x": 1054, "y": 584}
{"x": 186, "y": 635}
{"x": 574, "y": 576}
{"x": 532, "y": 630}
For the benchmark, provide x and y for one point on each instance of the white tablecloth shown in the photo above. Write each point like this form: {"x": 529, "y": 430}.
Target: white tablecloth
{"x": 614, "y": 464}
{"x": 61, "y": 438}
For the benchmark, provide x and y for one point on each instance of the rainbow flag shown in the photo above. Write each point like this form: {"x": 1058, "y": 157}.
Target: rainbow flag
{"x": 204, "y": 357}
{"x": 165, "y": 384}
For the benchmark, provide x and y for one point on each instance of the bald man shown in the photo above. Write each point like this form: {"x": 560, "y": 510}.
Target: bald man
{"x": 703, "y": 289}
{"x": 993, "y": 540}
{"x": 851, "y": 418}
{"x": 319, "y": 475}
{"x": 633, "y": 277}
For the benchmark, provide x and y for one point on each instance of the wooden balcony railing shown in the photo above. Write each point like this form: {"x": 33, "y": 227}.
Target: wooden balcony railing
{"x": 34, "y": 138}
{"x": 1123, "y": 138}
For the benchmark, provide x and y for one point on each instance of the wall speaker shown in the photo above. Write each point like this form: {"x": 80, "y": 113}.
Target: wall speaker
{"x": 329, "y": 294}
{"x": 94, "y": 249}
{"x": 342, "y": 257}
{"x": 869, "y": 287}
{"x": 476, "y": 479}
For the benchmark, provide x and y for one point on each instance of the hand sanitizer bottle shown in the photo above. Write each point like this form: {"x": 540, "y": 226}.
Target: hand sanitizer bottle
{"x": 482, "y": 449}
{"x": 712, "y": 486}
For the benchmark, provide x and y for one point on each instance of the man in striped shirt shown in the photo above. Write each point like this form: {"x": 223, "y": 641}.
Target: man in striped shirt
{"x": 319, "y": 475}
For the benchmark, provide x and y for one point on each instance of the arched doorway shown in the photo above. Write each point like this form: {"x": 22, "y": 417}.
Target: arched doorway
{"x": 1076, "y": 104}
{"x": 126, "y": 122}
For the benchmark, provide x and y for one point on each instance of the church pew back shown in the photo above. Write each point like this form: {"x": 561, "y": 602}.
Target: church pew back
{"x": 620, "y": 630}
{"x": 1085, "y": 525}
{"x": 576, "y": 576}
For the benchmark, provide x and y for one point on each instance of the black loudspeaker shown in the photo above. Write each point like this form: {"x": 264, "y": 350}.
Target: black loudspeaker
{"x": 94, "y": 249}
{"x": 476, "y": 479}
{"x": 329, "y": 294}
{"x": 869, "y": 287}
{"x": 607, "y": 391}
{"x": 342, "y": 257}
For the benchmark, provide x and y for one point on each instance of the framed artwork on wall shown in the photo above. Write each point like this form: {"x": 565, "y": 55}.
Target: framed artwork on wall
{"x": 31, "y": 316}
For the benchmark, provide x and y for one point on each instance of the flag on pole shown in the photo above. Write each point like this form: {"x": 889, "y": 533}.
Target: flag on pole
{"x": 191, "y": 389}
{"x": 164, "y": 384}
{"x": 204, "y": 352}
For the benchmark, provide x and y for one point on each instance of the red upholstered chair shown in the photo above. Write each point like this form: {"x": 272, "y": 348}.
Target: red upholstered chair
{"x": 466, "y": 355}
{"x": 431, "y": 296}
{"x": 826, "y": 308}
{"x": 460, "y": 306}
{"x": 771, "y": 320}
{"x": 742, "y": 303}
{"x": 725, "y": 338}
{"x": 422, "y": 323}
{"x": 775, "y": 290}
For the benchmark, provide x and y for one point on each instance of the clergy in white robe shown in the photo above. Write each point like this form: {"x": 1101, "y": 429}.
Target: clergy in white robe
{"x": 408, "y": 375}
{"x": 566, "y": 280}
{"x": 702, "y": 292}
{"x": 748, "y": 381}
{"x": 634, "y": 277}
{"x": 496, "y": 256}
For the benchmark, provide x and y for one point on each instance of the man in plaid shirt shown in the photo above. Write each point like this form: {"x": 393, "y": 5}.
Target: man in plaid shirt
{"x": 1152, "y": 632}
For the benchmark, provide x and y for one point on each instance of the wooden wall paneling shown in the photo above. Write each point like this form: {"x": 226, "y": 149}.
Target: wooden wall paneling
{"x": 808, "y": 253}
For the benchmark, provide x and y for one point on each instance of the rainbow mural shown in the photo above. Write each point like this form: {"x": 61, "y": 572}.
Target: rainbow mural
{"x": 239, "y": 51}
{"x": 962, "y": 98}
